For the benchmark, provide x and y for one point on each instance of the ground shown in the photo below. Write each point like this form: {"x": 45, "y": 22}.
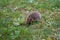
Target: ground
{"x": 14, "y": 12}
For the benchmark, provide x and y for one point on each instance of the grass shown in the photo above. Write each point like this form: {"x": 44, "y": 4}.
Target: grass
{"x": 14, "y": 12}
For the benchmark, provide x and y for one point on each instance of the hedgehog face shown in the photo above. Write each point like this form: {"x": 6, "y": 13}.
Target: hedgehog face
{"x": 29, "y": 20}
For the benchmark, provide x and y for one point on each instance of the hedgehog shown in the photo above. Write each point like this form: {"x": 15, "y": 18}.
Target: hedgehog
{"x": 33, "y": 16}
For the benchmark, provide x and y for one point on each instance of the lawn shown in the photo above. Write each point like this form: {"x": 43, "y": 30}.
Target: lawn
{"x": 13, "y": 14}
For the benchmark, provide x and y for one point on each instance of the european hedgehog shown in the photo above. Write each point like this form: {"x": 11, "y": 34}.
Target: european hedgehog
{"x": 33, "y": 16}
